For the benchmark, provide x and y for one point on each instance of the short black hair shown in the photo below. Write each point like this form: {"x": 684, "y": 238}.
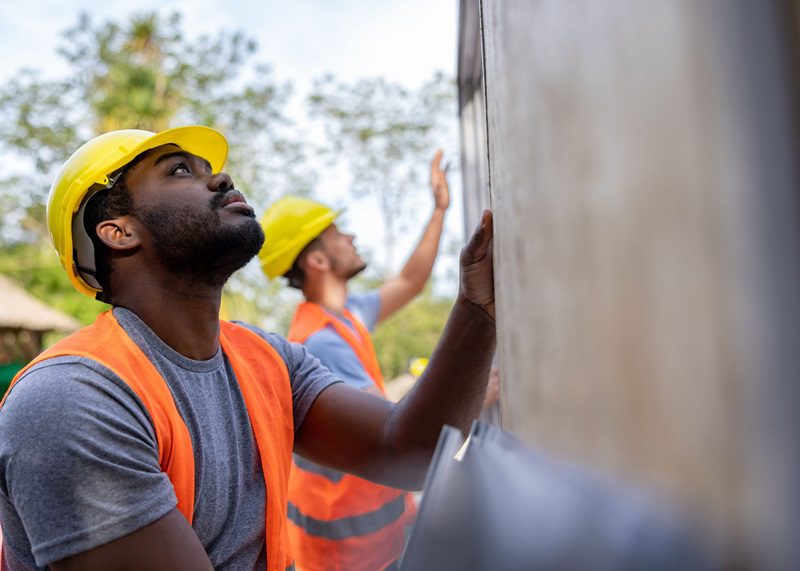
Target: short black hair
{"x": 296, "y": 275}
{"x": 103, "y": 205}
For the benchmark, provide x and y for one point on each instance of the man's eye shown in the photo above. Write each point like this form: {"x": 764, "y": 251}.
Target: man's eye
{"x": 180, "y": 168}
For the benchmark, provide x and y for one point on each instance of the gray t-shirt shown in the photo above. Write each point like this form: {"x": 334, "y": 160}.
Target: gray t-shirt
{"x": 79, "y": 460}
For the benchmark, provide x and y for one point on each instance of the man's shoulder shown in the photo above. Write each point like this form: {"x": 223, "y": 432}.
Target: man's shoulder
{"x": 277, "y": 341}
{"x": 366, "y": 307}
{"x": 70, "y": 391}
{"x": 323, "y": 338}
{"x": 363, "y": 299}
{"x": 65, "y": 378}
{"x": 329, "y": 347}
{"x": 62, "y": 370}
{"x": 269, "y": 336}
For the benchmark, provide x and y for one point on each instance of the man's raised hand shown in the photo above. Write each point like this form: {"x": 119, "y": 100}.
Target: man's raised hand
{"x": 439, "y": 187}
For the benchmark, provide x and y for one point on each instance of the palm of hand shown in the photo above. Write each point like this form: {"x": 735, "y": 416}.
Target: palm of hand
{"x": 439, "y": 186}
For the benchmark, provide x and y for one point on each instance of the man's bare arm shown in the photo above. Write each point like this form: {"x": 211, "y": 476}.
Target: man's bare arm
{"x": 390, "y": 443}
{"x": 167, "y": 543}
{"x": 399, "y": 290}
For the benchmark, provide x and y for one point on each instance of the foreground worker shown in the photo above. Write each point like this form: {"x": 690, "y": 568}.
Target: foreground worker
{"x": 160, "y": 437}
{"x": 339, "y": 521}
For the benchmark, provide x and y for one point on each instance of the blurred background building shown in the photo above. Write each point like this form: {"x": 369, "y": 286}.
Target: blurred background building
{"x": 24, "y": 320}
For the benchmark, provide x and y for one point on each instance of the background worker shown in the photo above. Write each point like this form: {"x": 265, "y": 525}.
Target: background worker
{"x": 341, "y": 521}
{"x": 161, "y": 437}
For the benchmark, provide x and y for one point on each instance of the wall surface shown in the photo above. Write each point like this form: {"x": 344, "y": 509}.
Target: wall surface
{"x": 642, "y": 174}
{"x": 472, "y": 116}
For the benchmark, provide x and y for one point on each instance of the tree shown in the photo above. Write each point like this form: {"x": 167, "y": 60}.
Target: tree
{"x": 411, "y": 332}
{"x": 387, "y": 134}
{"x": 142, "y": 74}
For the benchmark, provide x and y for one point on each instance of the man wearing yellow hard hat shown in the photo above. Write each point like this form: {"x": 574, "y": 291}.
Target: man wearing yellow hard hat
{"x": 305, "y": 245}
{"x": 160, "y": 437}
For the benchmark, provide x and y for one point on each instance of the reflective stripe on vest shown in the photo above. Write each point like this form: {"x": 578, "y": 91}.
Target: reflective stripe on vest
{"x": 264, "y": 382}
{"x": 353, "y": 526}
{"x": 339, "y": 521}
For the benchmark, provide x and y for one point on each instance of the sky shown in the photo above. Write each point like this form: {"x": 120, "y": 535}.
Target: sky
{"x": 401, "y": 40}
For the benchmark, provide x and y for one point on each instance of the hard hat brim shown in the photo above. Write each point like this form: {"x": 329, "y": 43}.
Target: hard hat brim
{"x": 196, "y": 139}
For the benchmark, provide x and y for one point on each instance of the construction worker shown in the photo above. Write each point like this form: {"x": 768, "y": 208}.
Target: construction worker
{"x": 340, "y": 521}
{"x": 160, "y": 437}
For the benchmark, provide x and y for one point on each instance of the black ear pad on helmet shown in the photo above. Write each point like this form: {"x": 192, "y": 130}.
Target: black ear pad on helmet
{"x": 83, "y": 248}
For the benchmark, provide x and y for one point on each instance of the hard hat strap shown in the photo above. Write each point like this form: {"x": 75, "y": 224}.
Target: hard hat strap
{"x": 113, "y": 178}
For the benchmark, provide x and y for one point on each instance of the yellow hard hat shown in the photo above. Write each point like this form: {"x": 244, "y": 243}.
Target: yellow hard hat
{"x": 89, "y": 169}
{"x": 290, "y": 224}
{"x": 417, "y": 366}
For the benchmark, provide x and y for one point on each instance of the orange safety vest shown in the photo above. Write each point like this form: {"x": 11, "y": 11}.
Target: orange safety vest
{"x": 339, "y": 522}
{"x": 264, "y": 382}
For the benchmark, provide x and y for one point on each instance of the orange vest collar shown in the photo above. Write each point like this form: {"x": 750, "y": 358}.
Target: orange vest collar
{"x": 312, "y": 317}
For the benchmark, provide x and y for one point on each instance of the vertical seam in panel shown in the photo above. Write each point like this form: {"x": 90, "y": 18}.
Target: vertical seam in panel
{"x": 485, "y": 103}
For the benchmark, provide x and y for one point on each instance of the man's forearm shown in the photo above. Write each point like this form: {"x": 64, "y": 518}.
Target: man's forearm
{"x": 398, "y": 291}
{"x": 450, "y": 391}
{"x": 419, "y": 265}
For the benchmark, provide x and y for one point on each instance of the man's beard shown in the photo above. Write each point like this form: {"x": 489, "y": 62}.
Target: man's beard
{"x": 196, "y": 247}
{"x": 349, "y": 272}
{"x": 357, "y": 270}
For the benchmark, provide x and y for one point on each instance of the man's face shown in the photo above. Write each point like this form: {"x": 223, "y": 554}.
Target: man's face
{"x": 198, "y": 226}
{"x": 342, "y": 254}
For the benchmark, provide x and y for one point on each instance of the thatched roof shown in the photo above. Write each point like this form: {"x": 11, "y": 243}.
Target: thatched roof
{"x": 20, "y": 310}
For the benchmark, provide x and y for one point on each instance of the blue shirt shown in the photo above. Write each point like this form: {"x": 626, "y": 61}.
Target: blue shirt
{"x": 334, "y": 352}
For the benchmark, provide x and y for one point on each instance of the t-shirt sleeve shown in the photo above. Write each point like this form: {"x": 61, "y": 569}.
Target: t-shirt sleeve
{"x": 334, "y": 352}
{"x": 307, "y": 375}
{"x": 78, "y": 461}
{"x": 367, "y": 307}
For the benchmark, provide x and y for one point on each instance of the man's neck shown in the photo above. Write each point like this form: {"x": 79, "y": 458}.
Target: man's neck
{"x": 186, "y": 319}
{"x": 329, "y": 293}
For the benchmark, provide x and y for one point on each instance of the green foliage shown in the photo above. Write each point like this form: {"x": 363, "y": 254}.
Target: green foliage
{"x": 411, "y": 332}
{"x": 387, "y": 133}
{"x": 129, "y": 73}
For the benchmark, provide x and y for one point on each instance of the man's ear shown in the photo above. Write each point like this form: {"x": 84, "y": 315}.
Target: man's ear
{"x": 119, "y": 233}
{"x": 316, "y": 260}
